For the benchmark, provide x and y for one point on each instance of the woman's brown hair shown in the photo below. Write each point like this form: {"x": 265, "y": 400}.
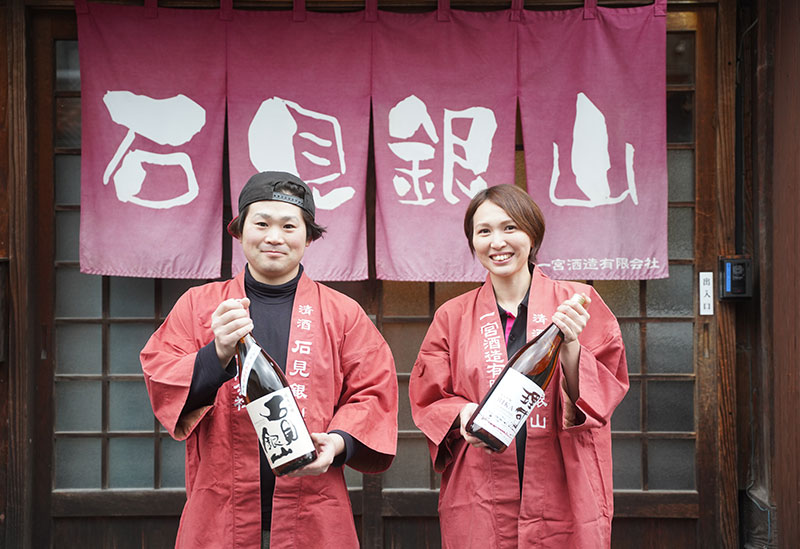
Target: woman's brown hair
{"x": 520, "y": 208}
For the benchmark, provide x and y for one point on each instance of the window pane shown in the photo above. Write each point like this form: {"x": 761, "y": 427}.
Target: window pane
{"x": 631, "y": 336}
{"x": 627, "y": 415}
{"x": 680, "y": 167}
{"x": 77, "y": 463}
{"x": 673, "y": 296}
{"x": 173, "y": 458}
{"x": 680, "y": 117}
{"x": 77, "y": 294}
{"x": 411, "y": 467}
{"x": 67, "y": 230}
{"x": 627, "y": 462}
{"x": 622, "y": 296}
{"x": 130, "y": 463}
{"x": 131, "y": 297}
{"x": 68, "y": 122}
{"x": 680, "y": 58}
{"x": 68, "y": 180}
{"x": 670, "y": 406}
{"x": 78, "y": 406}
{"x": 404, "y": 419}
{"x": 444, "y": 291}
{"x": 681, "y": 233}
{"x": 68, "y": 76}
{"x": 670, "y": 465}
{"x": 129, "y": 407}
{"x": 353, "y": 478}
{"x": 172, "y": 289}
{"x": 404, "y": 339}
{"x": 405, "y": 298}
{"x": 670, "y": 348}
{"x": 79, "y": 349}
{"x": 125, "y": 343}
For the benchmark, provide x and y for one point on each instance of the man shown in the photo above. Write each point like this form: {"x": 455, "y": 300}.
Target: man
{"x": 339, "y": 367}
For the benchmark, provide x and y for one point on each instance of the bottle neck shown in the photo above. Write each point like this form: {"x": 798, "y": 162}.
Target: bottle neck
{"x": 553, "y": 330}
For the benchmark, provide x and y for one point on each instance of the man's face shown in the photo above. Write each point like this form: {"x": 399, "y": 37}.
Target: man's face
{"x": 274, "y": 240}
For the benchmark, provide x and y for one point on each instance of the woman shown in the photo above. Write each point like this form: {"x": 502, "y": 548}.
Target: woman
{"x": 552, "y": 487}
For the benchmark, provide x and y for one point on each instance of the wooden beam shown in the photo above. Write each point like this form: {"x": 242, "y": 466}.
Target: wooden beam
{"x": 405, "y": 5}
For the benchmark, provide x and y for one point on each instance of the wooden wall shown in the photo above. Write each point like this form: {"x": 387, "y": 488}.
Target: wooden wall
{"x": 786, "y": 272}
{"x": 4, "y": 175}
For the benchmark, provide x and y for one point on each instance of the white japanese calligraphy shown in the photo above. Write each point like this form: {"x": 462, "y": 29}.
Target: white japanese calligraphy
{"x": 411, "y": 114}
{"x": 299, "y": 367}
{"x": 490, "y": 329}
{"x": 591, "y": 161}
{"x": 604, "y": 264}
{"x": 302, "y": 347}
{"x": 494, "y": 369}
{"x": 538, "y": 318}
{"x": 538, "y": 422}
{"x": 299, "y": 391}
{"x": 172, "y": 121}
{"x": 238, "y": 397}
{"x": 284, "y": 134}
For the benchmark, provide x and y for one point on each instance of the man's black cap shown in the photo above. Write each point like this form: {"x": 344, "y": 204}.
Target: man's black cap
{"x": 261, "y": 186}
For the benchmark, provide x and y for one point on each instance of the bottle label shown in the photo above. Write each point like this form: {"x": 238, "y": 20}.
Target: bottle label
{"x": 509, "y": 406}
{"x": 280, "y": 427}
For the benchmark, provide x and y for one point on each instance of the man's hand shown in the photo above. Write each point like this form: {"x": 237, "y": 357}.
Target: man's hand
{"x": 328, "y": 445}
{"x": 230, "y": 322}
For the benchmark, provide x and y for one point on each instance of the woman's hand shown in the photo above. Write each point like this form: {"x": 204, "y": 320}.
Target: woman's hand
{"x": 328, "y": 446}
{"x": 571, "y": 318}
{"x": 463, "y": 417}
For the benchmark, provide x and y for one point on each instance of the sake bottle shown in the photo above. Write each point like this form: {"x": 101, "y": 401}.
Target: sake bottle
{"x": 273, "y": 410}
{"x": 518, "y": 388}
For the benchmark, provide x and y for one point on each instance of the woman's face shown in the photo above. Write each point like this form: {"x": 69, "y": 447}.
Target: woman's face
{"x": 500, "y": 245}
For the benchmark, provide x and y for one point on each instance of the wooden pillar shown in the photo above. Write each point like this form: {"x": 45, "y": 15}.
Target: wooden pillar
{"x": 786, "y": 272}
{"x": 19, "y": 503}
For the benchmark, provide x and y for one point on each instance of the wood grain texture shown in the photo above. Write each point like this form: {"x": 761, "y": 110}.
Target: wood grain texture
{"x": 648, "y": 533}
{"x": 785, "y": 284}
{"x": 116, "y": 533}
{"x": 4, "y": 280}
{"x": 727, "y": 524}
{"x": 5, "y": 171}
{"x": 20, "y": 379}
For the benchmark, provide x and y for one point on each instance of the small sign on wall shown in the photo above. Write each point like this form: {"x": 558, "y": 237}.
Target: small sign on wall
{"x": 707, "y": 293}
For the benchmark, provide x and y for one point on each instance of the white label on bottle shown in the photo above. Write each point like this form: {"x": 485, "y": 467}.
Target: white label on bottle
{"x": 509, "y": 406}
{"x": 280, "y": 427}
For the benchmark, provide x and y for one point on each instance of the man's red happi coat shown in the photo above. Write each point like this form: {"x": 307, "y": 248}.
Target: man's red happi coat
{"x": 567, "y": 498}
{"x": 345, "y": 380}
